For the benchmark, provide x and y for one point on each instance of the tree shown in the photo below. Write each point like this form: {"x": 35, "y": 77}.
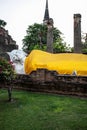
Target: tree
{"x": 84, "y": 43}
{"x": 2, "y": 23}
{"x": 36, "y": 38}
{"x": 7, "y": 74}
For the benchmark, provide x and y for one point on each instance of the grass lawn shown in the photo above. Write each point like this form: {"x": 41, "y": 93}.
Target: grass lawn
{"x": 35, "y": 111}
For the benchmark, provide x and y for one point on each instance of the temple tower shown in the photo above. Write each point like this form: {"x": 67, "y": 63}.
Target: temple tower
{"x": 49, "y": 22}
{"x": 77, "y": 33}
{"x": 46, "y": 14}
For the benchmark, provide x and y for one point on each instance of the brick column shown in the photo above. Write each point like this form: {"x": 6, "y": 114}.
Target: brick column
{"x": 77, "y": 33}
{"x": 50, "y": 36}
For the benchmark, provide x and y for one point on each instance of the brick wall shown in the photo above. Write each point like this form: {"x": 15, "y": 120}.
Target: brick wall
{"x": 43, "y": 80}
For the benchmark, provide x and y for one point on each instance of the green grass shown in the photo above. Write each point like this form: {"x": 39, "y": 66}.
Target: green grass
{"x": 35, "y": 111}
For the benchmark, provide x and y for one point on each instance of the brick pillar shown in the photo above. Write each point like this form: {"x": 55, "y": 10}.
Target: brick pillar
{"x": 77, "y": 33}
{"x": 50, "y": 36}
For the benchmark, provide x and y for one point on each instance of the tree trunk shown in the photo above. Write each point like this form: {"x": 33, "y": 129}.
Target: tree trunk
{"x": 10, "y": 94}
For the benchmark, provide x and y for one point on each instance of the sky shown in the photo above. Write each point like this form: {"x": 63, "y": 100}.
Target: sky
{"x": 19, "y": 14}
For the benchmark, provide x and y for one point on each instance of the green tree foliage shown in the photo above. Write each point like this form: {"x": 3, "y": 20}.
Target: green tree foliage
{"x": 61, "y": 47}
{"x": 84, "y": 43}
{"x": 7, "y": 75}
{"x": 32, "y": 39}
{"x": 2, "y": 23}
{"x": 7, "y": 72}
{"x": 37, "y": 36}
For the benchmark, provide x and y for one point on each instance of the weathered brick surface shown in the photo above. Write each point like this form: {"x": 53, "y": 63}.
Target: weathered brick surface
{"x": 43, "y": 80}
{"x": 7, "y": 43}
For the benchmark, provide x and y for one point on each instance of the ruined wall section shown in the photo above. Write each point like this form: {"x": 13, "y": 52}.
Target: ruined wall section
{"x": 6, "y": 41}
{"x": 47, "y": 81}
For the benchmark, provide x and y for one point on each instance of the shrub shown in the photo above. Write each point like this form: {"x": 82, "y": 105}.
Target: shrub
{"x": 7, "y": 72}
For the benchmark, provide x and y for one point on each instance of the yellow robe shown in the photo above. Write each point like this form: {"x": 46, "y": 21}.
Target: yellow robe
{"x": 63, "y": 63}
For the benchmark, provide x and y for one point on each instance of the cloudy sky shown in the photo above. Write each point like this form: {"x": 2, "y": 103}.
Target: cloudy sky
{"x": 19, "y": 14}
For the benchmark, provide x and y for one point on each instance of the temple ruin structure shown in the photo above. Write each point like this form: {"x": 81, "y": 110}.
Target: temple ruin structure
{"x": 6, "y": 41}
{"x": 49, "y": 22}
{"x": 77, "y": 33}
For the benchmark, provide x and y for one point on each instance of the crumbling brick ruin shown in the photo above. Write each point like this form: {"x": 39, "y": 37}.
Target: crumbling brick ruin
{"x": 6, "y": 41}
{"x": 77, "y": 34}
{"x": 7, "y": 44}
{"x": 43, "y": 80}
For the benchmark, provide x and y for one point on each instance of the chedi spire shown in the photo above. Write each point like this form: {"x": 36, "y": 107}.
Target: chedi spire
{"x": 46, "y": 14}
